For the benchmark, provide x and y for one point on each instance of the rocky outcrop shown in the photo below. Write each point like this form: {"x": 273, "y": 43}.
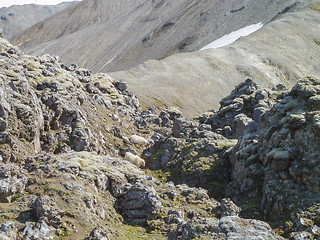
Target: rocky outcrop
{"x": 48, "y": 106}
{"x": 46, "y": 210}
{"x": 230, "y": 227}
{"x": 236, "y": 228}
{"x": 140, "y": 203}
{"x": 198, "y": 152}
{"x": 273, "y": 165}
{"x": 282, "y": 156}
{"x": 65, "y": 134}
{"x": 99, "y": 189}
{"x": 228, "y": 208}
{"x": 12, "y": 181}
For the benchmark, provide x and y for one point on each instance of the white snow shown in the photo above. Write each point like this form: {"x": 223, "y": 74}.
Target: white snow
{"x": 8, "y": 3}
{"x": 233, "y": 36}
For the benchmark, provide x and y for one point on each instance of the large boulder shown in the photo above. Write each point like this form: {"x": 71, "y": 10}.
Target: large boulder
{"x": 140, "y": 203}
{"x": 278, "y": 158}
{"x": 12, "y": 181}
{"x": 238, "y": 228}
{"x": 46, "y": 210}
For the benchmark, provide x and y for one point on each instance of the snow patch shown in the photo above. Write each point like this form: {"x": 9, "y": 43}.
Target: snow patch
{"x": 233, "y": 36}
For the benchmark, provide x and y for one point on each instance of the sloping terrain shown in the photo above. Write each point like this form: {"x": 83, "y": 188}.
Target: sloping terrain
{"x": 80, "y": 160}
{"x": 15, "y": 19}
{"x": 281, "y": 52}
{"x": 115, "y": 35}
{"x": 63, "y": 134}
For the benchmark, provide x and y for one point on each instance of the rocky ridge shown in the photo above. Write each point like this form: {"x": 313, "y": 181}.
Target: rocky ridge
{"x": 259, "y": 149}
{"x": 64, "y": 133}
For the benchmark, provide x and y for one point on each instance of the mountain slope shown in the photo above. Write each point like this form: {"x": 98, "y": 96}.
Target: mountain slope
{"x": 281, "y": 52}
{"x": 121, "y": 34}
{"x": 15, "y": 19}
{"x": 63, "y": 134}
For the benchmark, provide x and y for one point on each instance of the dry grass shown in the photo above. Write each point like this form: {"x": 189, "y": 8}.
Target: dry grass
{"x": 315, "y": 6}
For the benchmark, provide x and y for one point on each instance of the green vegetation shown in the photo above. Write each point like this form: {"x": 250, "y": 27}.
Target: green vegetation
{"x": 64, "y": 232}
{"x": 176, "y": 102}
{"x": 315, "y": 6}
{"x": 160, "y": 174}
{"x": 152, "y": 101}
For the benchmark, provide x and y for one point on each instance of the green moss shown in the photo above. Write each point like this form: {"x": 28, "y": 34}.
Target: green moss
{"x": 176, "y": 102}
{"x": 64, "y": 232}
{"x": 138, "y": 233}
{"x": 317, "y": 41}
{"x": 153, "y": 101}
{"x": 226, "y": 144}
{"x": 161, "y": 175}
{"x": 186, "y": 148}
{"x": 40, "y": 81}
{"x": 157, "y": 154}
{"x": 315, "y": 6}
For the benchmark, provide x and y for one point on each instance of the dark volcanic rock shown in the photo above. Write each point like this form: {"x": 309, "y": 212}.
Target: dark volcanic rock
{"x": 281, "y": 162}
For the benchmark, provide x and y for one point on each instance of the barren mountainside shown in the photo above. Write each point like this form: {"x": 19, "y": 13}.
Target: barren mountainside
{"x": 15, "y": 19}
{"x": 283, "y": 51}
{"x": 115, "y": 35}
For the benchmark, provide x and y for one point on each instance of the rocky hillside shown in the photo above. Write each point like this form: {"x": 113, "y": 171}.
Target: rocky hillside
{"x": 115, "y": 35}
{"x": 260, "y": 149}
{"x": 16, "y": 19}
{"x": 64, "y": 132}
{"x": 282, "y": 51}
{"x": 81, "y": 160}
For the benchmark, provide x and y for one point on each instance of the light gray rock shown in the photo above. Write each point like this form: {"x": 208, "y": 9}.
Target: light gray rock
{"x": 119, "y": 184}
{"x": 47, "y": 210}
{"x": 40, "y": 231}
{"x": 12, "y": 180}
{"x": 239, "y": 124}
{"x": 301, "y": 236}
{"x": 8, "y": 231}
{"x": 228, "y": 208}
{"x": 236, "y": 228}
{"x": 98, "y": 234}
{"x": 202, "y": 228}
{"x": 174, "y": 217}
{"x": 140, "y": 203}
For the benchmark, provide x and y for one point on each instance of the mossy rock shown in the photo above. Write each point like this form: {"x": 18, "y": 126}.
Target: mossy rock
{"x": 315, "y": 6}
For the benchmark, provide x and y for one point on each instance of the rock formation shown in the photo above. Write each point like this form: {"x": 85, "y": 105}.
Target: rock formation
{"x": 226, "y": 174}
